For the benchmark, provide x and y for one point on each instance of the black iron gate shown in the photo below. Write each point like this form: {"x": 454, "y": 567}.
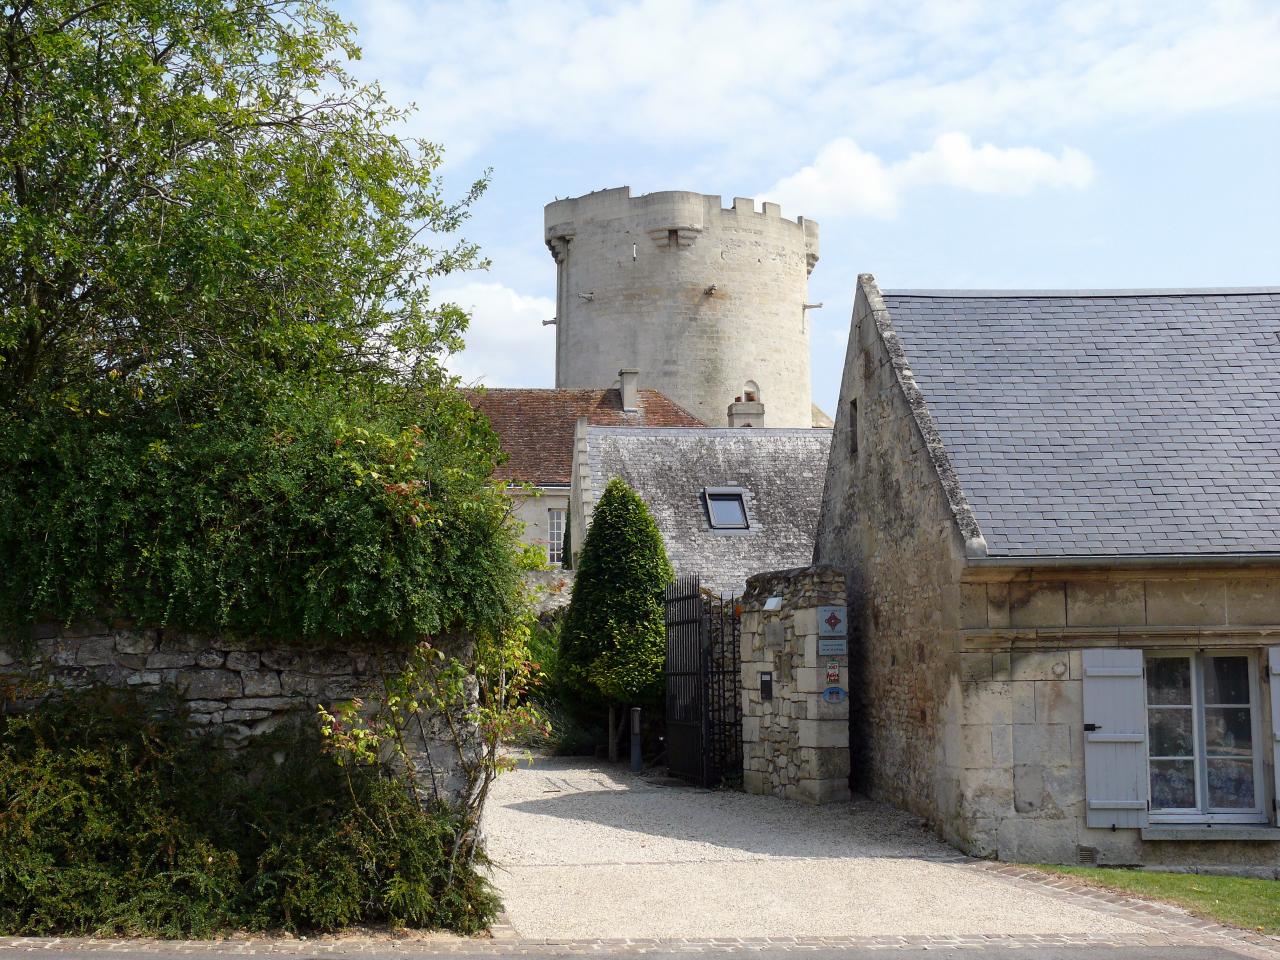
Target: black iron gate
{"x": 703, "y": 709}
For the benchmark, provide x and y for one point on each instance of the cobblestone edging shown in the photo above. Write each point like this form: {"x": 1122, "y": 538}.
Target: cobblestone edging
{"x": 1168, "y": 926}
{"x": 1165, "y": 918}
{"x": 535, "y": 948}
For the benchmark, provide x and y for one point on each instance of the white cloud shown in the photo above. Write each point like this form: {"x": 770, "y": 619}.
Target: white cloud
{"x": 953, "y": 160}
{"x": 507, "y": 345}
{"x": 845, "y": 180}
{"x": 754, "y": 75}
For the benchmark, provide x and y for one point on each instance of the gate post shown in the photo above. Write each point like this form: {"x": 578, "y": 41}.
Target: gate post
{"x": 795, "y": 685}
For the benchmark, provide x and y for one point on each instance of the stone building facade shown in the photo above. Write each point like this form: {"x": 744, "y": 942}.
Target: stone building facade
{"x": 1060, "y": 519}
{"x": 706, "y": 302}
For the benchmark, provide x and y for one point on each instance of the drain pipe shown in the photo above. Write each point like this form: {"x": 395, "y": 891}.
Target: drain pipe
{"x": 637, "y": 763}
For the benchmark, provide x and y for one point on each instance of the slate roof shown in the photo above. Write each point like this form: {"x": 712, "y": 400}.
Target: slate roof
{"x": 781, "y": 470}
{"x": 535, "y": 427}
{"x": 1105, "y": 423}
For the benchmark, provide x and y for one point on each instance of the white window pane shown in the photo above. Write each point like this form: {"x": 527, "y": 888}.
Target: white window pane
{"x": 1226, "y": 680}
{"x": 1173, "y": 784}
{"x": 1231, "y": 784}
{"x": 1228, "y": 732}
{"x": 727, "y": 511}
{"x": 555, "y": 536}
{"x": 1170, "y": 730}
{"x": 1169, "y": 680}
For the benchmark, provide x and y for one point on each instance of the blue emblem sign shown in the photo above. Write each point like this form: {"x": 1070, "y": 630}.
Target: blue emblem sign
{"x": 834, "y": 694}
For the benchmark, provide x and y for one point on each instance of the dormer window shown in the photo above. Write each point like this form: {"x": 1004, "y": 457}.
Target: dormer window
{"x": 726, "y": 508}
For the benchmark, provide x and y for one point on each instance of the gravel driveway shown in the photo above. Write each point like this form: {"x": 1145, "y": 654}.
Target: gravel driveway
{"x": 586, "y": 851}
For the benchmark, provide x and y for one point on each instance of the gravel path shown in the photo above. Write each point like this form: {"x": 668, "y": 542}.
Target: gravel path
{"x": 587, "y": 851}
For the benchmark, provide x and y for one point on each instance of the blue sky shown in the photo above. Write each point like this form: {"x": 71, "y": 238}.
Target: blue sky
{"x": 939, "y": 143}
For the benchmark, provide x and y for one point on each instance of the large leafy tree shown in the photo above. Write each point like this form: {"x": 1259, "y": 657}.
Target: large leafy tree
{"x": 222, "y": 398}
{"x": 613, "y": 643}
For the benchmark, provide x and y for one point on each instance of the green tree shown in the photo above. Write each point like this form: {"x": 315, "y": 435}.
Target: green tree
{"x": 613, "y": 643}
{"x": 222, "y": 392}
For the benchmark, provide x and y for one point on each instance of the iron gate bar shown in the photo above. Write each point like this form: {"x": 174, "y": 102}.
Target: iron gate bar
{"x": 703, "y": 705}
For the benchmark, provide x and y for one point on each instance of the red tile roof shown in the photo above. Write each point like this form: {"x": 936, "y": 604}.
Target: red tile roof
{"x": 536, "y": 426}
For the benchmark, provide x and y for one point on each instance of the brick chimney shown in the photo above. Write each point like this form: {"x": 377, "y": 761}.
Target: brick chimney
{"x": 630, "y": 389}
{"x": 746, "y": 413}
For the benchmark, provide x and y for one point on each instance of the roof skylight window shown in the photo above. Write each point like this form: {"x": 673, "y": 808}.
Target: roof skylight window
{"x": 726, "y": 508}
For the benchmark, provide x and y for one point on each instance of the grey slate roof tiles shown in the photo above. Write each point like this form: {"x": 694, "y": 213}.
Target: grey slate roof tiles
{"x": 781, "y": 471}
{"x": 1143, "y": 423}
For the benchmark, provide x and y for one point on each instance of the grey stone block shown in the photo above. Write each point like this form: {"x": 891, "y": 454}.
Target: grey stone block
{"x": 242, "y": 660}
{"x": 260, "y": 683}
{"x": 95, "y": 651}
{"x": 209, "y": 684}
{"x": 168, "y": 659}
{"x": 280, "y": 660}
{"x": 135, "y": 641}
{"x": 1105, "y": 603}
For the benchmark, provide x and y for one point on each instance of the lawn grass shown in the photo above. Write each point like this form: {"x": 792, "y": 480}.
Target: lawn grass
{"x": 1238, "y": 901}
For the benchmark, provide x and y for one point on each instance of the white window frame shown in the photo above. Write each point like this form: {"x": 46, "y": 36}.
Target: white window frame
{"x": 1203, "y": 813}
{"x": 555, "y": 535}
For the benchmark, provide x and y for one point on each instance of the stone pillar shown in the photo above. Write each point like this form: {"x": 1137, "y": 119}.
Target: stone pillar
{"x": 796, "y": 742}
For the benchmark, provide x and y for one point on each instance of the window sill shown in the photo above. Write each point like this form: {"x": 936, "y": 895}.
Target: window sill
{"x": 1205, "y": 831}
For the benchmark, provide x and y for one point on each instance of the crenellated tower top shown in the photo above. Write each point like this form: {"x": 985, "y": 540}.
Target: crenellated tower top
{"x": 707, "y": 302}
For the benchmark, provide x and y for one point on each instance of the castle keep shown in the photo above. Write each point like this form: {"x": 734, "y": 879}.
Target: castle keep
{"x": 707, "y": 303}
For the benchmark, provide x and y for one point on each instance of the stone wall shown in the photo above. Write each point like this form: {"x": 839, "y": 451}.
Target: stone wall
{"x": 702, "y": 300}
{"x": 1023, "y": 630}
{"x": 888, "y": 524}
{"x": 795, "y": 744}
{"x": 552, "y": 589}
{"x": 235, "y": 688}
{"x": 240, "y": 688}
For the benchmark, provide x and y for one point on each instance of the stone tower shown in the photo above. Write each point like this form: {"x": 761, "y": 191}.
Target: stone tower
{"x": 706, "y": 303}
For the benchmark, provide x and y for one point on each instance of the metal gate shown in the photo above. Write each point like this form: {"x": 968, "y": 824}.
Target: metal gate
{"x": 703, "y": 709}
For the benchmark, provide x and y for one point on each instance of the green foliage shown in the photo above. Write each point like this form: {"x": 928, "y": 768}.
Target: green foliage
{"x": 222, "y": 399}
{"x": 568, "y": 731}
{"x": 115, "y": 822}
{"x": 310, "y": 518}
{"x": 613, "y": 642}
{"x": 476, "y": 703}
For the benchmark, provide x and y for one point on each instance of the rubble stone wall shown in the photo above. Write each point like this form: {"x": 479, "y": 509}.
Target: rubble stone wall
{"x": 795, "y": 743}
{"x": 241, "y": 687}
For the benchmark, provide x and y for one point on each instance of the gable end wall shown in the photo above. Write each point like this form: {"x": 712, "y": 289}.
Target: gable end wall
{"x": 890, "y": 524}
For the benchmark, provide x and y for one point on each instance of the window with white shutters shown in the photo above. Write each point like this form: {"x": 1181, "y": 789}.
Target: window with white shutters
{"x": 1115, "y": 739}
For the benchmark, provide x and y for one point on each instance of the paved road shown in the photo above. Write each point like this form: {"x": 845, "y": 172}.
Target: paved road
{"x": 1046, "y": 952}
{"x": 595, "y": 862}
{"x": 589, "y": 852}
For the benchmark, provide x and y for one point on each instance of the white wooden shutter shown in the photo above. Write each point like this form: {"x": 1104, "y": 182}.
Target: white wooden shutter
{"x": 1115, "y": 739}
{"x": 1273, "y": 665}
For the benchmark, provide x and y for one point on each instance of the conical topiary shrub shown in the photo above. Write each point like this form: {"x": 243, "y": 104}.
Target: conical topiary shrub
{"x": 613, "y": 643}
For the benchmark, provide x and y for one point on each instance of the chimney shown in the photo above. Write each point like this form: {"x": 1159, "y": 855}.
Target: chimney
{"x": 630, "y": 390}
{"x": 746, "y": 413}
